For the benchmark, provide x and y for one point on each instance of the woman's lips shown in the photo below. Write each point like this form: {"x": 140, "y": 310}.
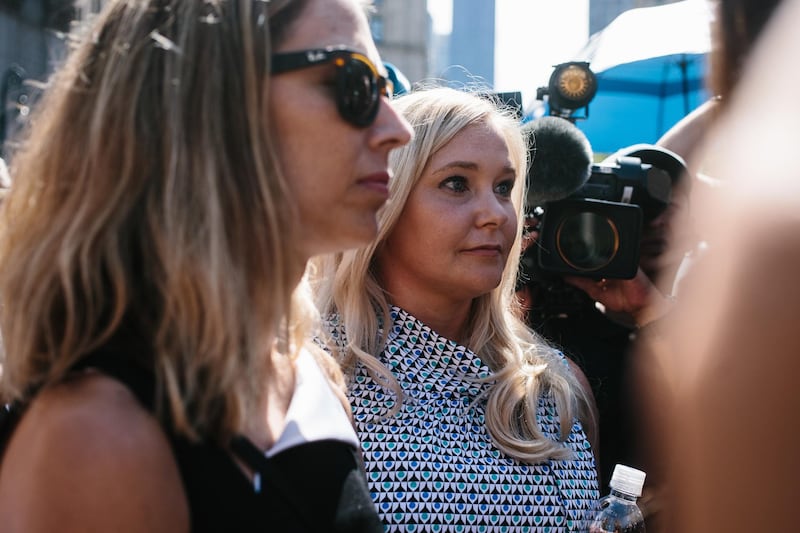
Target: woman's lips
{"x": 486, "y": 250}
{"x": 378, "y": 182}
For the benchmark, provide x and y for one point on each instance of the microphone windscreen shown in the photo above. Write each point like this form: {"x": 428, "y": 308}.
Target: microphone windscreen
{"x": 561, "y": 160}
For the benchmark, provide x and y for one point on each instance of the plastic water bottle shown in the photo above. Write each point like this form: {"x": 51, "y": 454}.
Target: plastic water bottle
{"x": 618, "y": 512}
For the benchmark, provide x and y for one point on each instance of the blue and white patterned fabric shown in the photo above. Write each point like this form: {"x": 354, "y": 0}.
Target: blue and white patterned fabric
{"x": 433, "y": 466}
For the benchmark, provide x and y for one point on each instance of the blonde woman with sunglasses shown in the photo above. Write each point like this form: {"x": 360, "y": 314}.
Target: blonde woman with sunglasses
{"x": 187, "y": 161}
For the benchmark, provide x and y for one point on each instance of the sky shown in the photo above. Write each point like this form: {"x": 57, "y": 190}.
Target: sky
{"x": 530, "y": 37}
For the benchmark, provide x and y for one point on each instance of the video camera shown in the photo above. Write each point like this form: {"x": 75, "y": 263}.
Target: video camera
{"x": 589, "y": 217}
{"x": 595, "y": 231}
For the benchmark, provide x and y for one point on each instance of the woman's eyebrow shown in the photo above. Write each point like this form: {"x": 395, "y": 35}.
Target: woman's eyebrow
{"x": 459, "y": 165}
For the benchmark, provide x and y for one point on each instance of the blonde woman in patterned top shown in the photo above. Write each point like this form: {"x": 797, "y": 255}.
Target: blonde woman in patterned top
{"x": 468, "y": 420}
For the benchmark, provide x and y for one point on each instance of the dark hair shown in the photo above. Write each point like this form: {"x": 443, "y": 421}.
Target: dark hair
{"x": 736, "y": 28}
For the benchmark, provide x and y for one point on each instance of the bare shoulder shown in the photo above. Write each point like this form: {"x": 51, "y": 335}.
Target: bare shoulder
{"x": 580, "y": 376}
{"x": 589, "y": 419}
{"x": 86, "y": 456}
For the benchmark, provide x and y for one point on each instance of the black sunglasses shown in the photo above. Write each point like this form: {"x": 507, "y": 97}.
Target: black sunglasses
{"x": 359, "y": 86}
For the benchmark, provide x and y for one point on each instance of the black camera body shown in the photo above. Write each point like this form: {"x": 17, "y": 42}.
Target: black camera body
{"x": 596, "y": 231}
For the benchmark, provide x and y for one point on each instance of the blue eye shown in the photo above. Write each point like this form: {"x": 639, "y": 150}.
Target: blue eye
{"x": 504, "y": 188}
{"x": 455, "y": 183}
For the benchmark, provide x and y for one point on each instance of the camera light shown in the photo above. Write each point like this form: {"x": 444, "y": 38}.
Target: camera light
{"x": 572, "y": 85}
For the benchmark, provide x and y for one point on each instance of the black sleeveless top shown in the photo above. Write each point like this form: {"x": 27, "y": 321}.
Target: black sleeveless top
{"x": 316, "y": 486}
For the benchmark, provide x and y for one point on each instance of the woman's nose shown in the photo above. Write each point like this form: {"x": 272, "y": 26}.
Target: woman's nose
{"x": 492, "y": 210}
{"x": 390, "y": 129}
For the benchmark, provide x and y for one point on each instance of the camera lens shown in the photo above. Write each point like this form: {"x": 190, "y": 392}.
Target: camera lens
{"x": 587, "y": 241}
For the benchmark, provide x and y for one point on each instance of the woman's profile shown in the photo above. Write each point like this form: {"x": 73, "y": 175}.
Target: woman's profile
{"x": 187, "y": 161}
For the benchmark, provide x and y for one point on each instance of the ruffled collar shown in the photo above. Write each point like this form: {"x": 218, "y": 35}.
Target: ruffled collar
{"x": 420, "y": 354}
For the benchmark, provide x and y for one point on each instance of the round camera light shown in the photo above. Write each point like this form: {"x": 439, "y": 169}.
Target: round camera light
{"x": 573, "y": 84}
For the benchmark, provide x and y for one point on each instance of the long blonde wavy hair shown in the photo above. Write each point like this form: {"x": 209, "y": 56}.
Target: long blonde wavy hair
{"x": 148, "y": 198}
{"x": 524, "y": 367}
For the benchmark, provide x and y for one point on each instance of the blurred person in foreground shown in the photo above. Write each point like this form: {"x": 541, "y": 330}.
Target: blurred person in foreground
{"x": 724, "y": 365}
{"x": 468, "y": 419}
{"x": 187, "y": 161}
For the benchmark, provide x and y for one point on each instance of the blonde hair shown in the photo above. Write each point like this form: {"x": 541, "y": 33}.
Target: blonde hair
{"x": 524, "y": 367}
{"x": 148, "y": 201}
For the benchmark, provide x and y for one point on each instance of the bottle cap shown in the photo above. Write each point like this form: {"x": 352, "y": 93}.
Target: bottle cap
{"x": 628, "y": 480}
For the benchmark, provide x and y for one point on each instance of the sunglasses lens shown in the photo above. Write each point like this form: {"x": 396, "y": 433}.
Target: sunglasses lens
{"x": 357, "y": 92}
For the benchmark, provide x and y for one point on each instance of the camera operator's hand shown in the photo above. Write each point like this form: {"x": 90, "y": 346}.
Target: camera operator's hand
{"x": 638, "y": 298}
{"x": 530, "y": 233}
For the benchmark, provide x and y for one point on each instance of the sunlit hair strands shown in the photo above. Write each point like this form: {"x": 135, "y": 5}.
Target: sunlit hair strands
{"x": 524, "y": 366}
{"x": 160, "y": 208}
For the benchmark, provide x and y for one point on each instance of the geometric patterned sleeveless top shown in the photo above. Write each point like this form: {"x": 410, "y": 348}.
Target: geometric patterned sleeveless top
{"x": 433, "y": 466}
